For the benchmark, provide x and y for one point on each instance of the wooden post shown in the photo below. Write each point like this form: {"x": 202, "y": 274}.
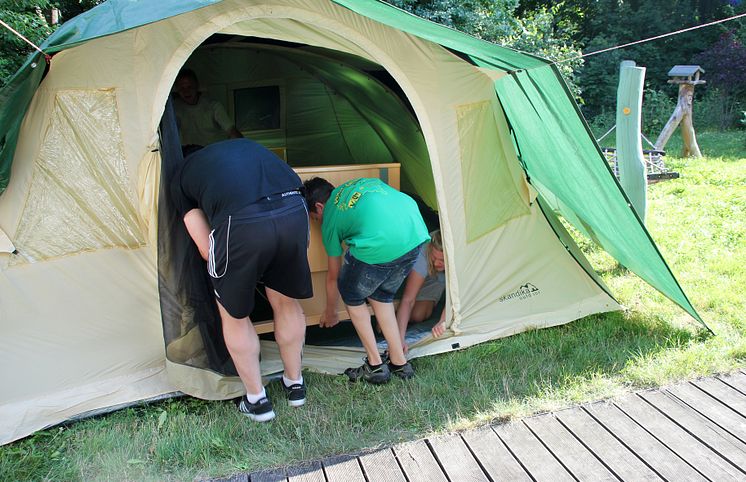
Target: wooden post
{"x": 687, "y": 76}
{"x": 630, "y": 159}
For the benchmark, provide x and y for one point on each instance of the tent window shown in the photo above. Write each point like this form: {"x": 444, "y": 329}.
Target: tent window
{"x": 80, "y": 198}
{"x": 258, "y": 108}
{"x": 493, "y": 188}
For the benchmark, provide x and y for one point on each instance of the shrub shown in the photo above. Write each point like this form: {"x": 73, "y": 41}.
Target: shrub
{"x": 657, "y": 107}
{"x": 600, "y": 125}
{"x": 716, "y": 111}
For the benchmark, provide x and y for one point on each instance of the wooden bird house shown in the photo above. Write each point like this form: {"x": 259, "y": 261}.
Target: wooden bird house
{"x": 686, "y": 74}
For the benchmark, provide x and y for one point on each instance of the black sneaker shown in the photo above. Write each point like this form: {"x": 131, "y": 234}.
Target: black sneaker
{"x": 376, "y": 375}
{"x": 402, "y": 371}
{"x": 296, "y": 393}
{"x": 260, "y": 411}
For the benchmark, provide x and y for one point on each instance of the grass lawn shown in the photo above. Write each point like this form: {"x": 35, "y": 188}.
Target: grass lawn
{"x": 699, "y": 223}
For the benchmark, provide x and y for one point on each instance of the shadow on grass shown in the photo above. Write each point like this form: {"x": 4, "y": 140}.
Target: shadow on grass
{"x": 188, "y": 438}
{"x": 488, "y": 382}
{"x": 560, "y": 362}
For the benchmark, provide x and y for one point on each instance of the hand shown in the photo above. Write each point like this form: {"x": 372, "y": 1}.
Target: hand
{"x": 439, "y": 329}
{"x": 328, "y": 319}
{"x": 405, "y": 347}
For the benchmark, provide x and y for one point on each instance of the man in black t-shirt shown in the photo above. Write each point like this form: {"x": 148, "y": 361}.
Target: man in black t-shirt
{"x": 242, "y": 206}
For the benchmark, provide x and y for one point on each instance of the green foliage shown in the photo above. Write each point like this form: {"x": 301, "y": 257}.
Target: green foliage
{"x": 30, "y": 18}
{"x": 542, "y": 34}
{"x": 657, "y": 108}
{"x": 485, "y": 19}
{"x": 26, "y": 17}
{"x": 725, "y": 64}
{"x": 600, "y": 125}
{"x": 538, "y": 31}
{"x": 715, "y": 110}
{"x": 607, "y": 23}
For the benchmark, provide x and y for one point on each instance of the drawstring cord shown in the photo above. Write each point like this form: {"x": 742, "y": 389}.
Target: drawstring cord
{"x": 211, "y": 268}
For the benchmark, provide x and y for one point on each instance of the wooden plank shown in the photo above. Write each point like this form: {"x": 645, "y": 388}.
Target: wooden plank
{"x": 456, "y": 459}
{"x": 709, "y": 407}
{"x": 615, "y": 455}
{"x": 698, "y": 455}
{"x": 307, "y": 472}
{"x": 419, "y": 463}
{"x": 581, "y": 463}
{"x": 737, "y": 380}
{"x": 493, "y": 455}
{"x": 532, "y": 455}
{"x": 271, "y": 475}
{"x": 727, "y": 446}
{"x": 308, "y": 172}
{"x": 343, "y": 468}
{"x": 724, "y": 393}
{"x": 656, "y": 455}
{"x": 381, "y": 465}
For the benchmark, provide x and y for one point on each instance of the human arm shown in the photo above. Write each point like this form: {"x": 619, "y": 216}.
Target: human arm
{"x": 199, "y": 230}
{"x": 224, "y": 121}
{"x": 330, "y": 317}
{"x": 413, "y": 284}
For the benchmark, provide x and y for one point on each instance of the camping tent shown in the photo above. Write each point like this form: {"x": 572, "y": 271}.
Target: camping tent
{"x": 488, "y": 136}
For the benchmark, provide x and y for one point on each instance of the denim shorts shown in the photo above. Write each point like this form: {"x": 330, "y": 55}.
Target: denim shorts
{"x": 359, "y": 280}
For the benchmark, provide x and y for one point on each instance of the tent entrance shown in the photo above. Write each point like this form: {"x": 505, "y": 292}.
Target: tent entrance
{"x": 312, "y": 106}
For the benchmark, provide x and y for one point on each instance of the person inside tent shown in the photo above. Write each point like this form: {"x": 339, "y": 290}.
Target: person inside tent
{"x": 384, "y": 233}
{"x": 423, "y": 289}
{"x": 242, "y": 207}
{"x": 201, "y": 120}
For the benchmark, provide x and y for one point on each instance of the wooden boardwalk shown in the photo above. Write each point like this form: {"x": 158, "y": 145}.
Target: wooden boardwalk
{"x": 690, "y": 431}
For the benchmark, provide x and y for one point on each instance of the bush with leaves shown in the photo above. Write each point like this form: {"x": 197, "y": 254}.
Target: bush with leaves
{"x": 537, "y": 32}
{"x": 725, "y": 64}
{"x": 31, "y": 19}
{"x": 26, "y": 17}
{"x": 715, "y": 110}
{"x": 657, "y": 107}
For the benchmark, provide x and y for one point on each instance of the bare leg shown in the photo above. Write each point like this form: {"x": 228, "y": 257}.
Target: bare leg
{"x": 421, "y": 311}
{"x": 360, "y": 317}
{"x": 386, "y": 316}
{"x": 290, "y": 331}
{"x": 243, "y": 345}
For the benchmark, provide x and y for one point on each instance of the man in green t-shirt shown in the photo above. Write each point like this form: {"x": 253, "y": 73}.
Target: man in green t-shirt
{"x": 384, "y": 232}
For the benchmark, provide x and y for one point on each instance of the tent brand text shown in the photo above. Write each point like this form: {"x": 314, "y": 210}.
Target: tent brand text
{"x": 525, "y": 292}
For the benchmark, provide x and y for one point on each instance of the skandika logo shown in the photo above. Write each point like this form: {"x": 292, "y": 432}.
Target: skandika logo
{"x": 525, "y": 292}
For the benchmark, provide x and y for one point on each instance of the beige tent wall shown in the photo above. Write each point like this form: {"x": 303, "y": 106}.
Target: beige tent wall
{"x": 79, "y": 333}
{"x": 83, "y": 331}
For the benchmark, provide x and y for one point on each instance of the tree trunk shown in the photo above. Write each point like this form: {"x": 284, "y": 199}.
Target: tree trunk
{"x": 691, "y": 148}
{"x": 682, "y": 114}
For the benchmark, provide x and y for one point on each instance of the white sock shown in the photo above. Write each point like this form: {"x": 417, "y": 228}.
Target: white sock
{"x": 289, "y": 383}
{"x": 255, "y": 398}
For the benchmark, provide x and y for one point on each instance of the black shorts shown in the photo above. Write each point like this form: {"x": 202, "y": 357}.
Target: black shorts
{"x": 264, "y": 242}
